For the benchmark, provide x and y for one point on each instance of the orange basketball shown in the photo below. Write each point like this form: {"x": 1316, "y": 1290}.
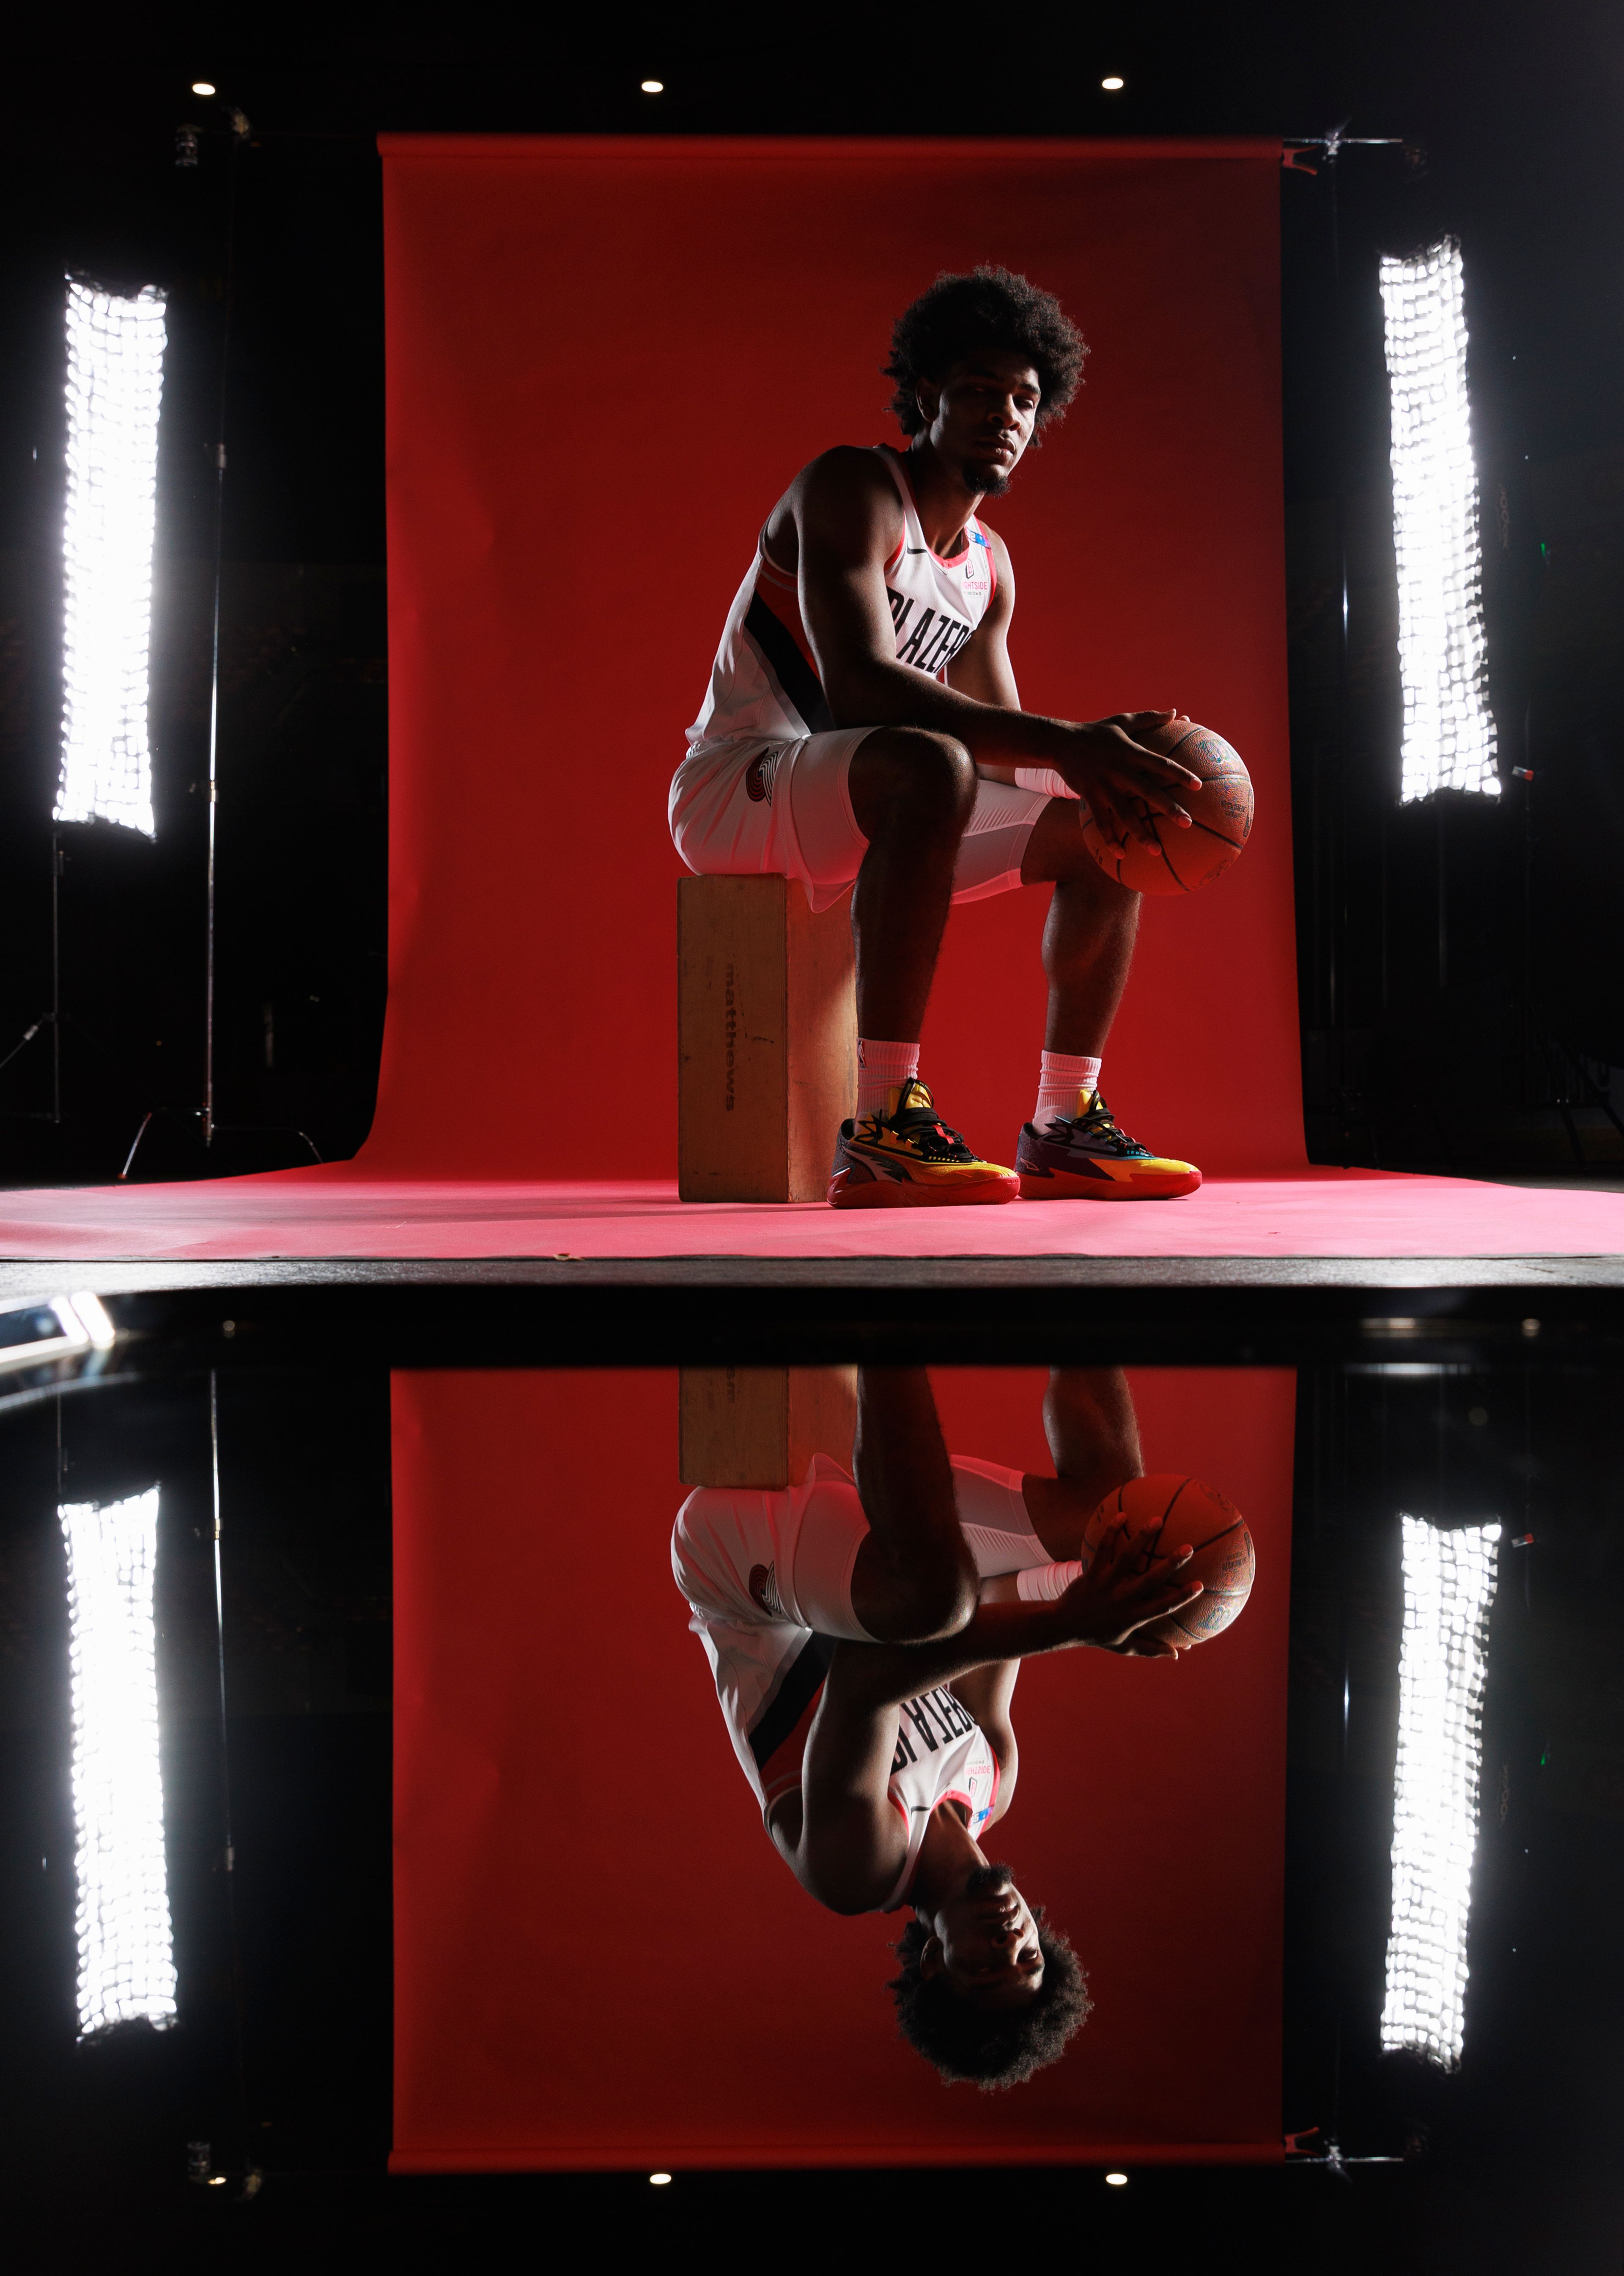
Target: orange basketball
{"x": 1164, "y": 1513}
{"x": 1220, "y": 816}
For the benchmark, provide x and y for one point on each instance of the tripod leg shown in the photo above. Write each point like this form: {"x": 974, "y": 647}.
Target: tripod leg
{"x": 129, "y": 1159}
{"x": 1559, "y": 1084}
{"x": 1599, "y": 1098}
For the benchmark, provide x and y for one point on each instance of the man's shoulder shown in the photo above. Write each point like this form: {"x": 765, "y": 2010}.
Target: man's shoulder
{"x": 849, "y": 470}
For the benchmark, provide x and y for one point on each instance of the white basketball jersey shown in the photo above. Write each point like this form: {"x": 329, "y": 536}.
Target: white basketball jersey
{"x": 730, "y": 1548}
{"x": 941, "y": 1755}
{"x": 764, "y": 685}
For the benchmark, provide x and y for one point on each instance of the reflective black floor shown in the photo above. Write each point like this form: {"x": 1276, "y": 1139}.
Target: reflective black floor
{"x": 360, "y": 1739}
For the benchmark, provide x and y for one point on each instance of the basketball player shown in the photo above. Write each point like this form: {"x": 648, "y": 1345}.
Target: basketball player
{"x": 865, "y": 1632}
{"x": 862, "y": 729}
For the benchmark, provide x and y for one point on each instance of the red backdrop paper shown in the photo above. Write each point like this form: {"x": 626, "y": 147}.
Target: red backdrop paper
{"x": 605, "y": 361}
{"x": 601, "y": 1959}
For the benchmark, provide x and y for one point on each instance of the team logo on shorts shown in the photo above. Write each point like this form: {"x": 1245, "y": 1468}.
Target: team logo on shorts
{"x": 764, "y": 1591}
{"x": 758, "y": 777}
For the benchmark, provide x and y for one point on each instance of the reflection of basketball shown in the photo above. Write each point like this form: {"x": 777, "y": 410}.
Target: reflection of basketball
{"x": 1220, "y": 816}
{"x": 1164, "y": 1513}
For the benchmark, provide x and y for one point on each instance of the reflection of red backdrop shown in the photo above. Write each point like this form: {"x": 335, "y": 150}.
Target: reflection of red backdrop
{"x": 599, "y": 1959}
{"x": 605, "y": 360}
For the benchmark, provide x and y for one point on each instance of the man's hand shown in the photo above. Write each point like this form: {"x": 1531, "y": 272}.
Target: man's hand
{"x": 1114, "y": 1602}
{"x": 1124, "y": 784}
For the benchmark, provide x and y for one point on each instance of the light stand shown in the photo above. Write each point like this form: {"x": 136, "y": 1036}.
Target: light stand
{"x": 187, "y": 142}
{"x": 53, "y": 1018}
{"x": 239, "y": 130}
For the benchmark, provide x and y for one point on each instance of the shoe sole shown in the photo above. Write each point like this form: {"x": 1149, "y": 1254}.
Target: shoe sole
{"x": 1060, "y": 1186}
{"x": 887, "y": 1193}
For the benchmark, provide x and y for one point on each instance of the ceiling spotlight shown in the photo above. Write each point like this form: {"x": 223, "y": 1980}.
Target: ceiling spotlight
{"x": 203, "y": 86}
{"x": 1113, "y": 86}
{"x": 1116, "y": 2180}
{"x": 653, "y": 87}
{"x": 658, "y": 2181}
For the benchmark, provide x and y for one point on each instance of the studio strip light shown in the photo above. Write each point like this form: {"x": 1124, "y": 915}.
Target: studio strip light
{"x": 114, "y": 384}
{"x": 1449, "y": 1582}
{"x": 127, "y": 1959}
{"x": 1449, "y": 739}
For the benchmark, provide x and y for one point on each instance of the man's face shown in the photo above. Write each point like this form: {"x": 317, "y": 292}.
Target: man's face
{"x": 985, "y": 1942}
{"x": 981, "y": 416}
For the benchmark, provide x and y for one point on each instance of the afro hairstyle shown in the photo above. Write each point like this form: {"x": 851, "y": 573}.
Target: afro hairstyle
{"x": 989, "y": 308}
{"x": 996, "y": 2047}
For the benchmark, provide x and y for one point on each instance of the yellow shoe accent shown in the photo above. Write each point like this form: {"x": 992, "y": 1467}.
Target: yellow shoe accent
{"x": 907, "y": 1157}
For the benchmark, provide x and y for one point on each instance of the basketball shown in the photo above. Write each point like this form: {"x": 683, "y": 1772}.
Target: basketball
{"x": 1164, "y": 1512}
{"x": 1220, "y": 816}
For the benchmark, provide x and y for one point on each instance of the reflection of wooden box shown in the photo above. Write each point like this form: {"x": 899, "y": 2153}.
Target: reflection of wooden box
{"x": 766, "y": 1039}
{"x": 760, "y": 1426}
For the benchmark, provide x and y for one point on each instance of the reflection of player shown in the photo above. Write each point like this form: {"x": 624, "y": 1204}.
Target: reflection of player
{"x": 865, "y": 1634}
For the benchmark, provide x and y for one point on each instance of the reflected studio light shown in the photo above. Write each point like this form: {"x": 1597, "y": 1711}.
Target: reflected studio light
{"x": 115, "y": 379}
{"x": 126, "y": 1961}
{"x": 1448, "y": 730}
{"x": 1112, "y": 87}
{"x": 1449, "y": 1580}
{"x": 1116, "y": 2180}
{"x": 653, "y": 87}
{"x": 203, "y": 86}
{"x": 659, "y": 2181}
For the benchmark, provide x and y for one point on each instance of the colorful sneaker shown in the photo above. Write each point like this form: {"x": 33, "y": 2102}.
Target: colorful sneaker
{"x": 906, "y": 1158}
{"x": 1091, "y": 1159}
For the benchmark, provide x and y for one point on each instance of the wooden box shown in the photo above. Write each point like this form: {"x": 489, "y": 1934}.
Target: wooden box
{"x": 766, "y": 1039}
{"x": 760, "y": 1426}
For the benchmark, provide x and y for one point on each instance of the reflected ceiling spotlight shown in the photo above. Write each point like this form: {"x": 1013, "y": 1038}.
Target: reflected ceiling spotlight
{"x": 1449, "y": 1582}
{"x": 126, "y": 1956}
{"x": 114, "y": 384}
{"x": 658, "y": 2181}
{"x": 1449, "y": 739}
{"x": 1116, "y": 2180}
{"x": 653, "y": 86}
{"x": 203, "y": 87}
{"x": 1113, "y": 86}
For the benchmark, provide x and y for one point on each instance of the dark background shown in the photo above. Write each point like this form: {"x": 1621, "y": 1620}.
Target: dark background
{"x": 1458, "y": 1001}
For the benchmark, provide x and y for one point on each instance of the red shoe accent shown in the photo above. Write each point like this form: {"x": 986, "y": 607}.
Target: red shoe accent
{"x": 1063, "y": 1186}
{"x": 847, "y": 1192}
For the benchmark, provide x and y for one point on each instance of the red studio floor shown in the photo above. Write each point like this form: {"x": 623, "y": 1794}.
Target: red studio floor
{"x": 307, "y": 1215}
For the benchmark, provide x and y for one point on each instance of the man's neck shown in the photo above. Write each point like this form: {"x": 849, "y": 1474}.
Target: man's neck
{"x": 942, "y": 502}
{"x": 947, "y": 1857}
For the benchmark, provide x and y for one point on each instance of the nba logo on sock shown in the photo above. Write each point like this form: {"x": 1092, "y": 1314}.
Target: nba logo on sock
{"x": 758, "y": 777}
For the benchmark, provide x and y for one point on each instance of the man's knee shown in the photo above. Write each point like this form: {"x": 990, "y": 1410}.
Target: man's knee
{"x": 924, "y": 1607}
{"x": 914, "y": 777}
{"x": 1057, "y": 853}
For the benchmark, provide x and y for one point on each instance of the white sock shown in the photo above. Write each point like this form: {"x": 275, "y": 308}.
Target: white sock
{"x": 1066, "y": 1082}
{"x": 880, "y": 1068}
{"x": 1043, "y": 1584}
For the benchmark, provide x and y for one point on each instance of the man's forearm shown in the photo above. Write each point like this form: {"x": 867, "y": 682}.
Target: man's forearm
{"x": 896, "y": 696}
{"x": 885, "y": 1674}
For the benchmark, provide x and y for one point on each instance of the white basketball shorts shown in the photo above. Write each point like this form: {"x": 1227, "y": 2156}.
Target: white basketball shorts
{"x": 755, "y": 810}
{"x": 768, "y": 1580}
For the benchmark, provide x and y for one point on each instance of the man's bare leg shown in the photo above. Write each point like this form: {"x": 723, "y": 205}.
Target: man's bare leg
{"x": 914, "y": 1577}
{"x": 1093, "y": 1435}
{"x": 912, "y": 793}
{"x": 1089, "y": 938}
